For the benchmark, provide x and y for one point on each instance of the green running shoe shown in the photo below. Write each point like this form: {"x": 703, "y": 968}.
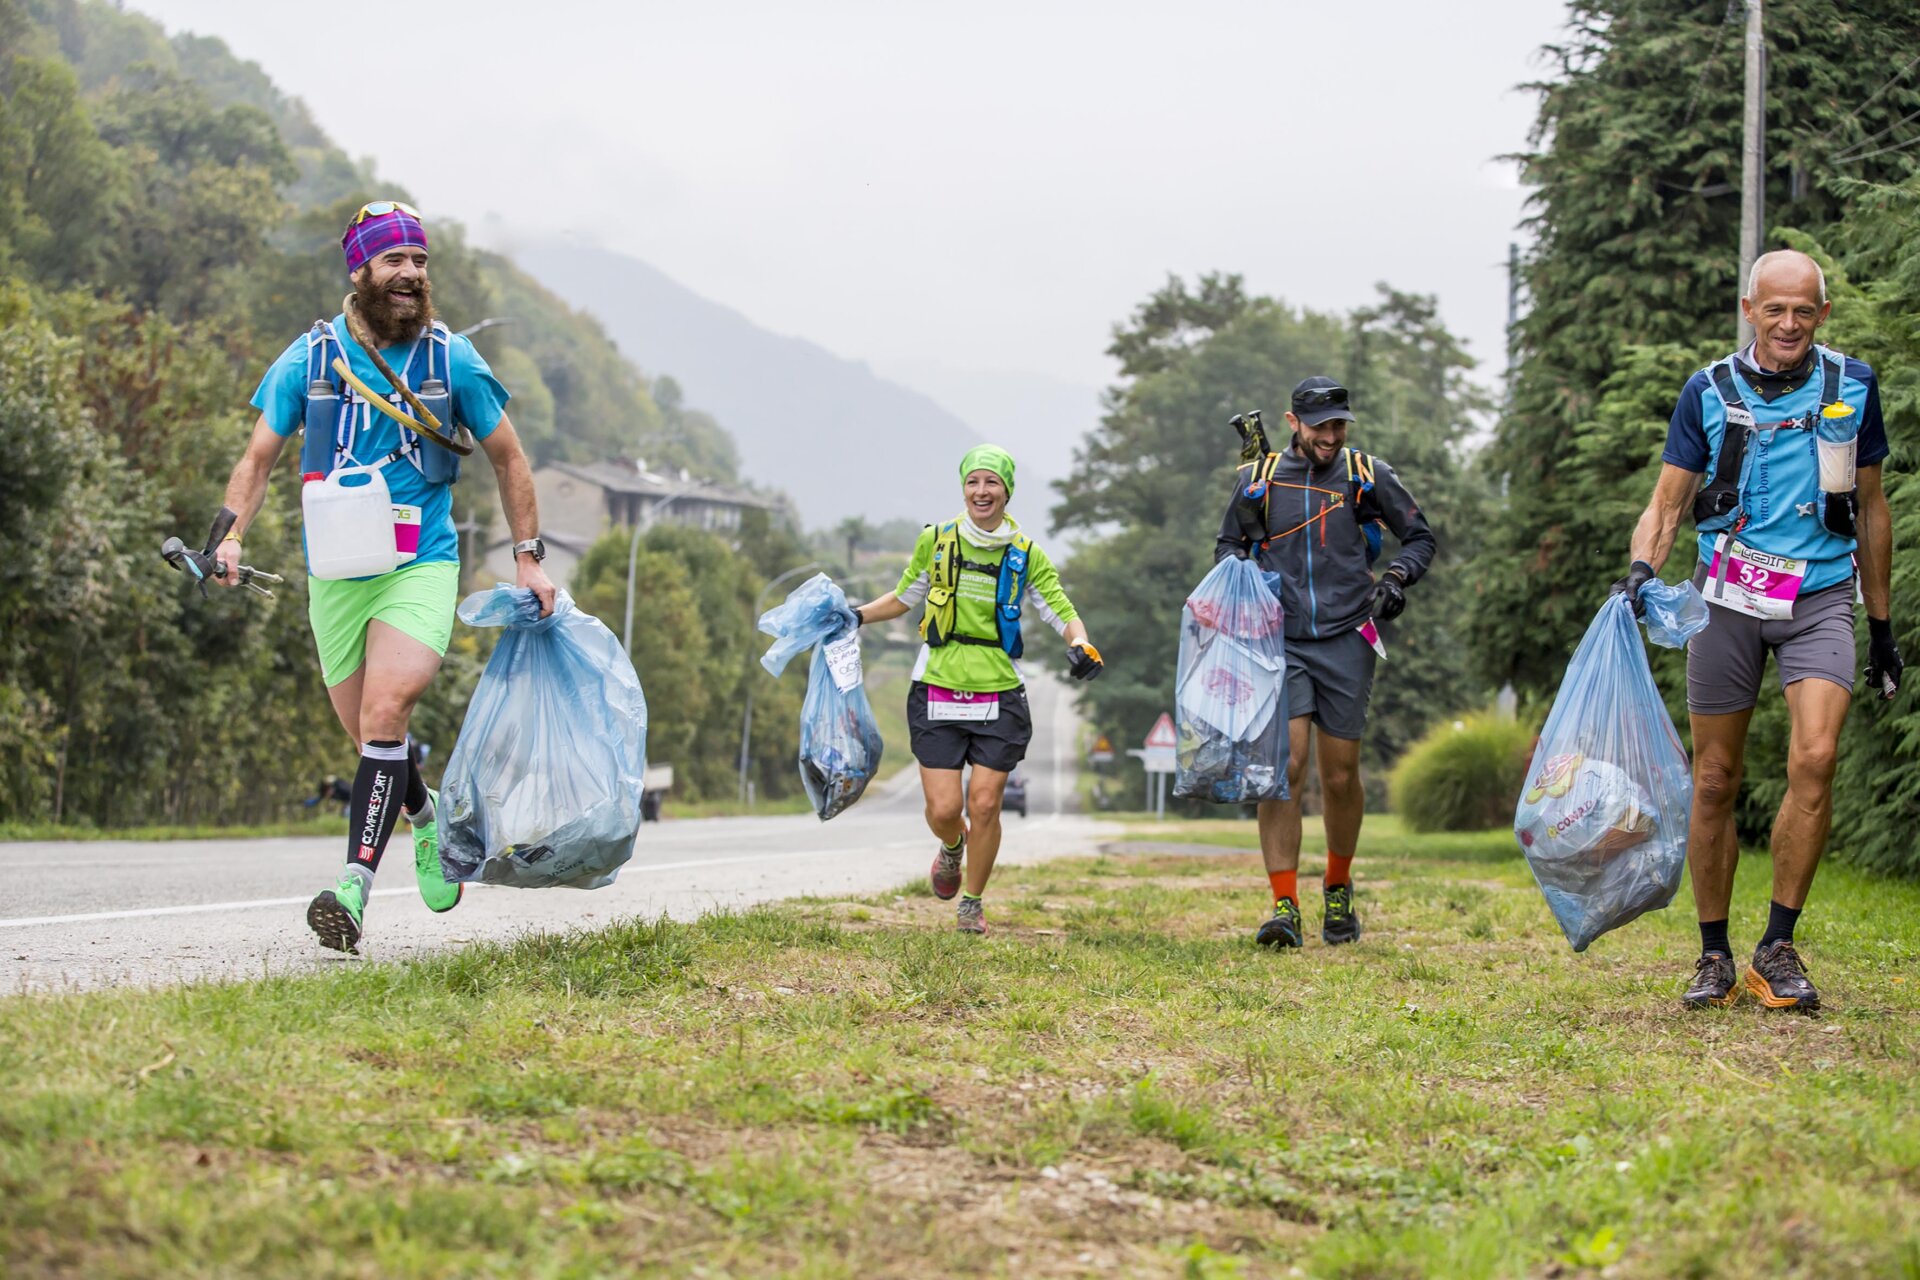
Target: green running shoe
{"x": 1338, "y": 922}
{"x": 434, "y": 889}
{"x": 335, "y": 914}
{"x": 1282, "y": 928}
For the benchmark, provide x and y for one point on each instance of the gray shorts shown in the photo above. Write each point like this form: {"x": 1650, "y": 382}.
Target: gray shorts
{"x": 1726, "y": 661}
{"x": 1330, "y": 679}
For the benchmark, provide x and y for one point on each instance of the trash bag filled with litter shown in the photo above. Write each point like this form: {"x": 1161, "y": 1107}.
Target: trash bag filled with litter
{"x": 1230, "y": 694}
{"x": 840, "y": 743}
{"x": 543, "y": 787}
{"x": 1603, "y": 812}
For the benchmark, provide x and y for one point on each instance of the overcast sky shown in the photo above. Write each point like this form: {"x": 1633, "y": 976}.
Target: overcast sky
{"x": 979, "y": 186}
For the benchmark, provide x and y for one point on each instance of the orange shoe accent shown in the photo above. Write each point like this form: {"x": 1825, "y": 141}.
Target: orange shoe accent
{"x": 1764, "y": 993}
{"x": 1286, "y": 884}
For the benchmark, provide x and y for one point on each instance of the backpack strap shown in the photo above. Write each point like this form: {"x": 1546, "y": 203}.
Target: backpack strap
{"x": 327, "y": 424}
{"x": 1833, "y": 367}
{"x": 1015, "y": 565}
{"x": 1366, "y": 505}
{"x": 943, "y": 580}
{"x": 1719, "y": 499}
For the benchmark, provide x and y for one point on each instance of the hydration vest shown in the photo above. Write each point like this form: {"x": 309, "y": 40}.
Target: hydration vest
{"x": 939, "y": 624}
{"x": 1359, "y": 490}
{"x": 335, "y": 411}
{"x": 1720, "y": 506}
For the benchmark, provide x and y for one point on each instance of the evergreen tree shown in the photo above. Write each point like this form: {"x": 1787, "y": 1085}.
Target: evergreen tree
{"x": 1635, "y": 168}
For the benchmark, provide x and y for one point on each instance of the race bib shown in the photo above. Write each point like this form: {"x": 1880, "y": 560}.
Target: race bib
{"x": 957, "y": 704}
{"x": 1752, "y": 582}
{"x": 406, "y": 531}
{"x": 1371, "y": 634}
{"x": 843, "y": 662}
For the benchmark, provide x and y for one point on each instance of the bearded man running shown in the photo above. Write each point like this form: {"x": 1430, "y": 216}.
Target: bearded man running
{"x": 385, "y": 391}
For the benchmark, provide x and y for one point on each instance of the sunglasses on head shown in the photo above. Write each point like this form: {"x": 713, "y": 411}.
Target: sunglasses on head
{"x": 1320, "y": 398}
{"x": 381, "y": 208}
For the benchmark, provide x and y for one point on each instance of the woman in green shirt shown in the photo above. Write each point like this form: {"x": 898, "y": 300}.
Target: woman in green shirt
{"x": 976, "y": 574}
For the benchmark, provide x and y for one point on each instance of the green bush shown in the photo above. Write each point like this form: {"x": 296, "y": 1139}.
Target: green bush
{"x": 1464, "y": 775}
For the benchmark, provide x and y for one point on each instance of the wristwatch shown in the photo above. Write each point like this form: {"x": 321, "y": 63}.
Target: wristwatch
{"x": 535, "y": 546}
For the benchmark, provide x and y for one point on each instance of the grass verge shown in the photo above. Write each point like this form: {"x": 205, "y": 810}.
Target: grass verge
{"x": 41, "y": 831}
{"x": 1114, "y": 1082}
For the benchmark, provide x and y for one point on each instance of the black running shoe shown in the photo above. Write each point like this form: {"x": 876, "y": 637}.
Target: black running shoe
{"x": 1282, "y": 929}
{"x": 1338, "y": 922}
{"x": 1714, "y": 982}
{"x": 1778, "y": 979}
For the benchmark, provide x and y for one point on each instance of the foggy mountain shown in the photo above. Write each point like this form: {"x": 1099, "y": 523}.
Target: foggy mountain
{"x": 836, "y": 437}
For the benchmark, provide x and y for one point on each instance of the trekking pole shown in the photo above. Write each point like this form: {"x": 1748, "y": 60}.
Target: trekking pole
{"x": 202, "y": 565}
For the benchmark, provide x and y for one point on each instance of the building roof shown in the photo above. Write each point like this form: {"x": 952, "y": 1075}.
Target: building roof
{"x": 622, "y": 476}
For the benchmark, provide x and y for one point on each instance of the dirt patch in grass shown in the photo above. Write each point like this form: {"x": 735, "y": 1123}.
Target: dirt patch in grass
{"x": 1081, "y": 1217}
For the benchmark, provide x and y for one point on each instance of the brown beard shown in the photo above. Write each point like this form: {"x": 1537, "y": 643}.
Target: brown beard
{"x": 388, "y": 329}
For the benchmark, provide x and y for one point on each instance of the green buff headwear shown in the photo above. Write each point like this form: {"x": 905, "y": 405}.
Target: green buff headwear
{"x": 988, "y": 457}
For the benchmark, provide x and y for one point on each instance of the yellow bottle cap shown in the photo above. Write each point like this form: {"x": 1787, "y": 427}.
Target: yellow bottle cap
{"x": 1838, "y": 409}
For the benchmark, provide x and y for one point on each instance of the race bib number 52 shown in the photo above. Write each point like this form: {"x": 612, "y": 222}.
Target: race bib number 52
{"x": 1751, "y": 581}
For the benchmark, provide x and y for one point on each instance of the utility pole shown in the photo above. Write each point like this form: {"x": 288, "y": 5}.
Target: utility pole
{"x": 1753, "y": 182}
{"x": 1513, "y": 318}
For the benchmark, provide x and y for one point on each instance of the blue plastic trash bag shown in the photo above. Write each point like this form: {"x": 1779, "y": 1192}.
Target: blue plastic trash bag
{"x": 1230, "y": 689}
{"x": 543, "y": 787}
{"x": 1603, "y": 815}
{"x": 840, "y": 743}
{"x": 1675, "y": 614}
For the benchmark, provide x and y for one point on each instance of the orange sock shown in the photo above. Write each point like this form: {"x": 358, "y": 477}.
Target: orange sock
{"x": 1339, "y": 869}
{"x": 1285, "y": 884}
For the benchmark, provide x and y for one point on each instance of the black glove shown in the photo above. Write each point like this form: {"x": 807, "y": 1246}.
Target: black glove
{"x": 1884, "y": 667}
{"x": 1084, "y": 661}
{"x": 1389, "y": 597}
{"x": 1637, "y": 577}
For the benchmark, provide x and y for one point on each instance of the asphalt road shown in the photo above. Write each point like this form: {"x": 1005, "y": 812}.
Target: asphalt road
{"x": 82, "y": 915}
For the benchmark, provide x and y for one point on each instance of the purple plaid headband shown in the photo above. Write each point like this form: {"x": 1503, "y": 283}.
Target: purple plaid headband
{"x": 373, "y": 235}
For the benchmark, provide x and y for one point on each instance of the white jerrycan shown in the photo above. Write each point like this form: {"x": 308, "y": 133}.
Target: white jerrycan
{"x": 349, "y": 519}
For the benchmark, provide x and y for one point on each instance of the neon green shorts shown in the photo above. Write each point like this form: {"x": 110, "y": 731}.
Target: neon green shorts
{"x": 417, "y": 600}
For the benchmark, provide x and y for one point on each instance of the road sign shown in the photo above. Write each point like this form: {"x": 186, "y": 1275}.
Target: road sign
{"x": 1162, "y": 734}
{"x": 1156, "y": 759}
{"x": 1102, "y": 752}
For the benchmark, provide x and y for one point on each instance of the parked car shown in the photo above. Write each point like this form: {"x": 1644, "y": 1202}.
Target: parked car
{"x": 1015, "y": 800}
{"x": 653, "y": 790}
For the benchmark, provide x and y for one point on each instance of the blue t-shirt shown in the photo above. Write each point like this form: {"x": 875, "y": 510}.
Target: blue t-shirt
{"x": 479, "y": 402}
{"x": 1782, "y": 496}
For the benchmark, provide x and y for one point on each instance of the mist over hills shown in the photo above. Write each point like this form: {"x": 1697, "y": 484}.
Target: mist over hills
{"x": 838, "y": 438}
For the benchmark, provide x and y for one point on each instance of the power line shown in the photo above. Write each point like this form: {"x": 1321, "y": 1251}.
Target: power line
{"x": 1883, "y": 151}
{"x": 1869, "y": 100}
{"x": 1849, "y": 153}
{"x": 1735, "y": 8}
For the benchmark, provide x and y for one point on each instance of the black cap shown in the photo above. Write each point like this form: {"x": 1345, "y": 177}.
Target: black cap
{"x": 1320, "y": 399}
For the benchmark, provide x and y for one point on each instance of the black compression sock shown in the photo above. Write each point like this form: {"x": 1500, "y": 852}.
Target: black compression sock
{"x": 376, "y": 801}
{"x": 1780, "y": 922}
{"x": 1713, "y": 937}
{"x": 416, "y": 787}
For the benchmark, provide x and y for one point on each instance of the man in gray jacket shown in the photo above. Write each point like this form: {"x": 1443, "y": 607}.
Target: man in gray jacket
{"x": 1313, "y": 513}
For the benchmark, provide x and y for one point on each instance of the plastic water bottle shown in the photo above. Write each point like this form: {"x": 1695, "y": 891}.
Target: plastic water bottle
{"x": 1838, "y": 430}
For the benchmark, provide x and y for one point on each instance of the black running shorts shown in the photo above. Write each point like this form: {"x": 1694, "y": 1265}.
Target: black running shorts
{"x": 992, "y": 744}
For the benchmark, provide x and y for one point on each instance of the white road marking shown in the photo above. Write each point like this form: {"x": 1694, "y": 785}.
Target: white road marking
{"x": 191, "y": 908}
{"x": 631, "y": 869}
